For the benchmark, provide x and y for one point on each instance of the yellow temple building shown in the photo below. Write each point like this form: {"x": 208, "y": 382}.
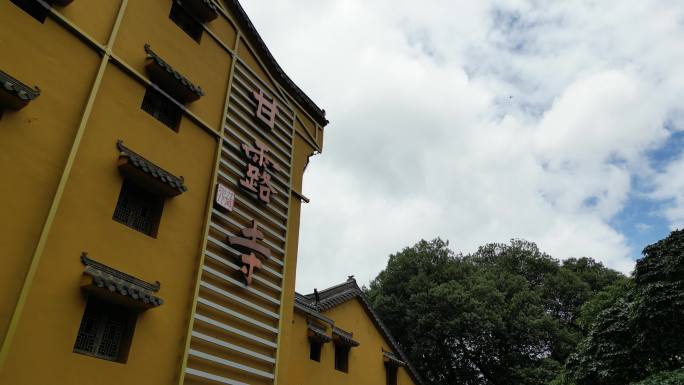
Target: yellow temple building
{"x": 152, "y": 154}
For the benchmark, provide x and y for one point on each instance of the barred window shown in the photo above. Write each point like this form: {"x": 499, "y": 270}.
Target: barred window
{"x": 161, "y": 108}
{"x": 138, "y": 209}
{"x": 33, "y": 8}
{"x": 186, "y": 21}
{"x": 106, "y": 331}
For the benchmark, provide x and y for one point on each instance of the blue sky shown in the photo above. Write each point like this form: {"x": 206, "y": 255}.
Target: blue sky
{"x": 482, "y": 121}
{"x": 642, "y": 220}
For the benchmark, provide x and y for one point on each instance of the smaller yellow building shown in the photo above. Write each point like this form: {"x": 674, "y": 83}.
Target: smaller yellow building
{"x": 338, "y": 339}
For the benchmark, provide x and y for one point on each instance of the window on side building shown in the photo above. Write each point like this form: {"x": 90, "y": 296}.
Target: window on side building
{"x": 315, "y": 351}
{"x": 342, "y": 358}
{"x": 391, "y": 374}
{"x": 106, "y": 331}
{"x": 162, "y": 108}
{"x": 191, "y": 26}
{"x": 138, "y": 209}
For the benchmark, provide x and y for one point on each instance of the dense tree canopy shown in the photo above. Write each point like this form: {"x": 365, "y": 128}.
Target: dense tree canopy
{"x": 507, "y": 314}
{"x": 640, "y": 335}
{"x": 510, "y": 314}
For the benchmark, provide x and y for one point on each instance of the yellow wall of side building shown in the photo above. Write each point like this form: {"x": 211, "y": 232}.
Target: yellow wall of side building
{"x": 366, "y": 364}
{"x": 35, "y": 143}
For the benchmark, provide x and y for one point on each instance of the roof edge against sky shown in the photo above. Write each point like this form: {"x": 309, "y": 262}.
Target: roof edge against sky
{"x": 317, "y": 113}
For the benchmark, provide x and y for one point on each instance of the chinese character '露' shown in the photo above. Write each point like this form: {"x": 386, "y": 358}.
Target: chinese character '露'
{"x": 257, "y": 179}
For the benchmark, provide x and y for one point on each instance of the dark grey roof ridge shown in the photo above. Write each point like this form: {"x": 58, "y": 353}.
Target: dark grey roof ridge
{"x": 177, "y": 75}
{"x": 324, "y": 292}
{"x": 176, "y": 182}
{"x": 17, "y": 88}
{"x": 121, "y": 283}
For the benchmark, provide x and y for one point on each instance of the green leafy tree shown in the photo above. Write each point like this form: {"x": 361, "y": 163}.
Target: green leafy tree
{"x": 504, "y": 315}
{"x": 675, "y": 377}
{"x": 601, "y": 301}
{"x": 640, "y": 333}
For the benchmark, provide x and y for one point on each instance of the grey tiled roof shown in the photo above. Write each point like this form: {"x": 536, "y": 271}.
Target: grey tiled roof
{"x": 301, "y": 303}
{"x": 393, "y": 359}
{"x": 197, "y": 90}
{"x": 246, "y": 25}
{"x": 149, "y": 168}
{"x": 115, "y": 281}
{"x": 333, "y": 296}
{"x": 208, "y": 9}
{"x": 318, "y": 333}
{"x": 339, "y": 294}
{"x": 345, "y": 337}
{"x": 19, "y": 90}
{"x": 210, "y": 4}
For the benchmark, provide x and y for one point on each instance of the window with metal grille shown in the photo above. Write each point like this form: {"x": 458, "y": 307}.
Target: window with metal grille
{"x": 315, "y": 352}
{"x": 33, "y": 8}
{"x": 163, "y": 109}
{"x": 186, "y": 21}
{"x": 391, "y": 374}
{"x": 106, "y": 331}
{"x": 342, "y": 358}
{"x": 138, "y": 209}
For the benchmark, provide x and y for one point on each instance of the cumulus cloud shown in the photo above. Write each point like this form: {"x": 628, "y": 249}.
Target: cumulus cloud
{"x": 479, "y": 122}
{"x": 669, "y": 186}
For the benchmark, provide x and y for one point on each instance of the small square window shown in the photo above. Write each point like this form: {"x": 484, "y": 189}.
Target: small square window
{"x": 163, "y": 109}
{"x": 315, "y": 352}
{"x": 391, "y": 374}
{"x": 342, "y": 358}
{"x": 106, "y": 331}
{"x": 33, "y": 8}
{"x": 186, "y": 21}
{"x": 138, "y": 209}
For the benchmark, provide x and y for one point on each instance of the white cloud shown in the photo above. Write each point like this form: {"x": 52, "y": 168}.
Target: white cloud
{"x": 477, "y": 121}
{"x": 669, "y": 186}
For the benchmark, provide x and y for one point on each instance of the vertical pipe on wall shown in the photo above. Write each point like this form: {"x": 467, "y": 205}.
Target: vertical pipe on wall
{"x": 40, "y": 247}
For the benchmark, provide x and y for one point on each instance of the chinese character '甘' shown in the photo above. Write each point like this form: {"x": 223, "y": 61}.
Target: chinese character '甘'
{"x": 267, "y": 108}
{"x": 257, "y": 179}
{"x": 252, "y": 252}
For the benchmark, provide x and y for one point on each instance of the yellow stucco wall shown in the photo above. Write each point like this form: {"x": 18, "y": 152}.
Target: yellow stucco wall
{"x": 365, "y": 361}
{"x": 206, "y": 63}
{"x": 35, "y": 144}
{"x": 96, "y": 18}
{"x": 55, "y": 305}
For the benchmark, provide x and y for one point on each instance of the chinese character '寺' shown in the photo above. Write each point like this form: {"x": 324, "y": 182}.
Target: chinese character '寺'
{"x": 257, "y": 179}
{"x": 249, "y": 262}
{"x": 267, "y": 108}
{"x": 253, "y": 252}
